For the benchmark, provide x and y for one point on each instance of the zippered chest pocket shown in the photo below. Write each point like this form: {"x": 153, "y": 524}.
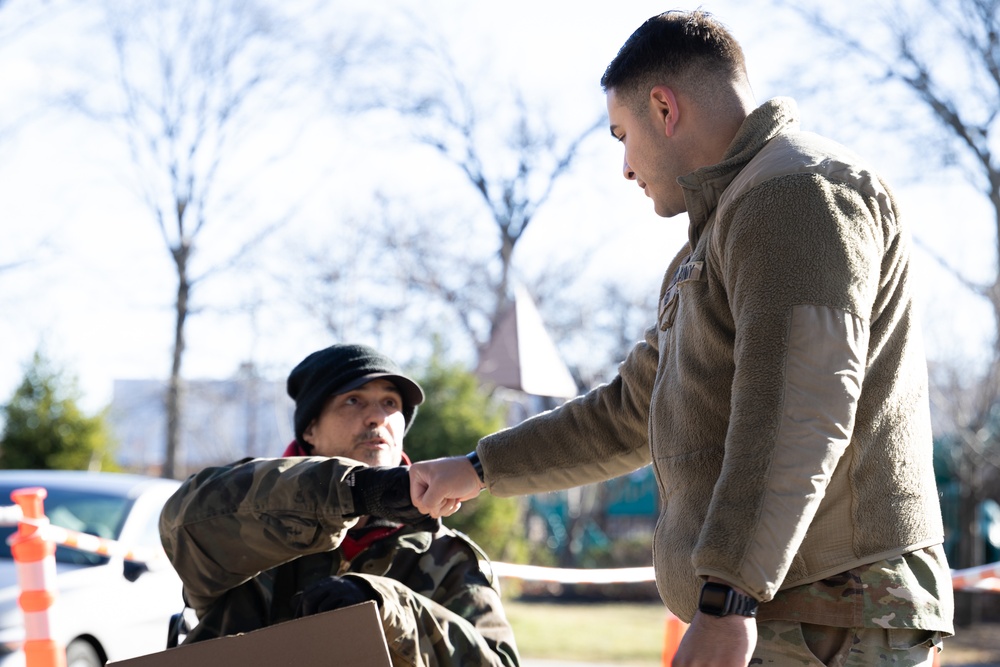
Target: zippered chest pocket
{"x": 686, "y": 273}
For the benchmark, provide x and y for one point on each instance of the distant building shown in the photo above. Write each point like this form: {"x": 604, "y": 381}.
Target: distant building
{"x": 223, "y": 420}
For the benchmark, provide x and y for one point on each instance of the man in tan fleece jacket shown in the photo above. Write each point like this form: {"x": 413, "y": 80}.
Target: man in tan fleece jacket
{"x": 781, "y": 394}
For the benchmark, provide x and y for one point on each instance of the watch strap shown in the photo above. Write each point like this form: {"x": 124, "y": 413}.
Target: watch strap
{"x": 477, "y": 465}
{"x": 734, "y": 602}
{"x": 743, "y": 605}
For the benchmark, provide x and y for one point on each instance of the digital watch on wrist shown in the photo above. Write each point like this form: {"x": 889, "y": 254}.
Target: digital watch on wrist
{"x": 722, "y": 600}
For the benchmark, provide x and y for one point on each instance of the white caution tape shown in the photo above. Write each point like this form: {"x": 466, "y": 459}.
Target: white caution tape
{"x": 571, "y": 576}
{"x": 983, "y": 577}
{"x": 97, "y": 545}
{"x": 11, "y": 515}
{"x": 990, "y": 585}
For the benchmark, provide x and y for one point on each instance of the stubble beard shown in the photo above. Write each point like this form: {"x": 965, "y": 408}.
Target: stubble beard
{"x": 376, "y": 457}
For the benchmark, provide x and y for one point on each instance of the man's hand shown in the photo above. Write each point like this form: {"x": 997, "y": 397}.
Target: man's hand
{"x": 383, "y": 492}
{"x": 438, "y": 487}
{"x": 726, "y": 641}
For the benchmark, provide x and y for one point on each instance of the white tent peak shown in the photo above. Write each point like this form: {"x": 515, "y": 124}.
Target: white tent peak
{"x": 522, "y": 356}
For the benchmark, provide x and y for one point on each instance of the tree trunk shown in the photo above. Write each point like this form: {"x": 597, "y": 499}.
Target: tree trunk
{"x": 171, "y": 461}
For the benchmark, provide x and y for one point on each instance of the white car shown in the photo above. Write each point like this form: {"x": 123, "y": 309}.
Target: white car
{"x": 106, "y": 608}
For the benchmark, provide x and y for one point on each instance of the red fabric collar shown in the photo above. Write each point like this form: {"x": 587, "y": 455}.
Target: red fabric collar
{"x": 352, "y": 546}
{"x": 294, "y": 449}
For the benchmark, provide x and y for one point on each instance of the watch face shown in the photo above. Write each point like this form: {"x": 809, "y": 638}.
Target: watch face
{"x": 713, "y": 598}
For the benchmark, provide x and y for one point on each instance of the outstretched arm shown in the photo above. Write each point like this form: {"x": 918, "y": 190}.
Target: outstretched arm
{"x": 226, "y": 524}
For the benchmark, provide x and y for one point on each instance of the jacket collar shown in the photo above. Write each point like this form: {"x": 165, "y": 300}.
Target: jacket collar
{"x": 703, "y": 187}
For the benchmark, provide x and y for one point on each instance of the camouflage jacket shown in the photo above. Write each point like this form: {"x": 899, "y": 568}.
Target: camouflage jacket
{"x": 246, "y": 537}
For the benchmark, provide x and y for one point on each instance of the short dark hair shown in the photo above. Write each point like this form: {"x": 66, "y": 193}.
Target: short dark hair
{"x": 668, "y": 47}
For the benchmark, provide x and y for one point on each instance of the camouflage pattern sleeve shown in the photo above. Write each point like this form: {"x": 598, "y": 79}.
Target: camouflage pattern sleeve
{"x": 423, "y": 633}
{"x": 227, "y": 524}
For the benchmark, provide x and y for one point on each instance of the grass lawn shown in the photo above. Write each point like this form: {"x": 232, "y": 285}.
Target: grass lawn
{"x": 618, "y": 632}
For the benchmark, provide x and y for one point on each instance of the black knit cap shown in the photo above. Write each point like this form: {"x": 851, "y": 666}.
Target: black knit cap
{"x": 339, "y": 369}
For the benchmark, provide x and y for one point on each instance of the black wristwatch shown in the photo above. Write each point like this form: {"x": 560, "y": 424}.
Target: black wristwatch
{"x": 722, "y": 600}
{"x": 477, "y": 465}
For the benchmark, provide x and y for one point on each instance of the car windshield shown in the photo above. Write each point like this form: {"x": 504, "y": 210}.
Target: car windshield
{"x": 84, "y": 511}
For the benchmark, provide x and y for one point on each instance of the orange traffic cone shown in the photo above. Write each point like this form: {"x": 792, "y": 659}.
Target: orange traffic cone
{"x": 672, "y": 635}
{"x": 36, "y": 574}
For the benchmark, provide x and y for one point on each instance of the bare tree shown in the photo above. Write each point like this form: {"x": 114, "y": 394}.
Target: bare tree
{"x": 513, "y": 178}
{"x": 345, "y": 284}
{"x": 596, "y": 331}
{"x": 509, "y": 156}
{"x": 456, "y": 262}
{"x": 193, "y": 80}
{"x": 944, "y": 55}
{"x": 386, "y": 273}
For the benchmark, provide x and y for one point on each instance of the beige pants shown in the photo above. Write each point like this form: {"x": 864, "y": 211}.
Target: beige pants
{"x": 788, "y": 643}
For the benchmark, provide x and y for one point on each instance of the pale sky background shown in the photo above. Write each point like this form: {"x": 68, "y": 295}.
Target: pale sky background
{"x": 99, "y": 285}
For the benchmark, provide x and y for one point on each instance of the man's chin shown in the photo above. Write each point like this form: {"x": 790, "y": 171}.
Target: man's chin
{"x": 380, "y": 458}
{"x": 664, "y": 212}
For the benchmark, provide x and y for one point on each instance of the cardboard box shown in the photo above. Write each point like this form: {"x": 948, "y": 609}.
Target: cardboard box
{"x": 351, "y": 636}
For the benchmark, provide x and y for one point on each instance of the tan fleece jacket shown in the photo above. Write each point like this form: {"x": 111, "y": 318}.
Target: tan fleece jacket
{"x": 782, "y": 395}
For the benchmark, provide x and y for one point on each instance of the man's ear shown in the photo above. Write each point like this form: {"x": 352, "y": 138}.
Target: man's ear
{"x": 307, "y": 434}
{"x": 664, "y": 102}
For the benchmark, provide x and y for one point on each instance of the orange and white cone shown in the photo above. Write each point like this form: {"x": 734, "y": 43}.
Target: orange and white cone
{"x": 36, "y": 573}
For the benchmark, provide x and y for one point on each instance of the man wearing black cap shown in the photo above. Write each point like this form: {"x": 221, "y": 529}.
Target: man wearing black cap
{"x": 330, "y": 524}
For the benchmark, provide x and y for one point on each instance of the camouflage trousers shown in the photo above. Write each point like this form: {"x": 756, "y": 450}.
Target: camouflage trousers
{"x": 788, "y": 643}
